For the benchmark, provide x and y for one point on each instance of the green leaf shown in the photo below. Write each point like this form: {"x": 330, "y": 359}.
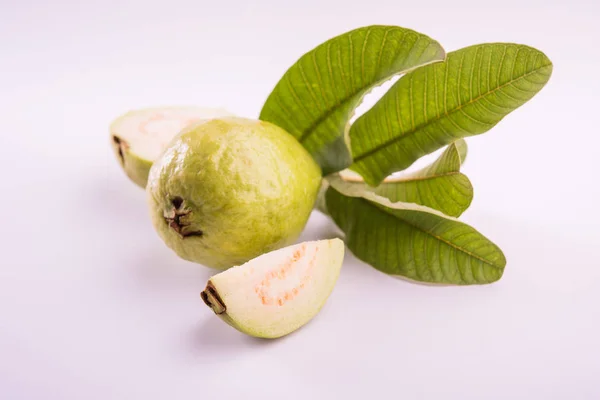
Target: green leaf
{"x": 467, "y": 94}
{"x": 440, "y": 185}
{"x": 317, "y": 96}
{"x": 410, "y": 240}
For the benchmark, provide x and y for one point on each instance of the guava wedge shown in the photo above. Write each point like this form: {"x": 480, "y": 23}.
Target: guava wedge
{"x": 140, "y": 136}
{"x": 277, "y": 292}
{"x": 229, "y": 189}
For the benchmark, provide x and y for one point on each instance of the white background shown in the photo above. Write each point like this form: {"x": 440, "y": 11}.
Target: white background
{"x": 94, "y": 306}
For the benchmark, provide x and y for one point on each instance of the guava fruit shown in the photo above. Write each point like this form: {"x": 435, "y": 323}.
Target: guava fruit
{"x": 278, "y": 292}
{"x": 229, "y": 189}
{"x": 140, "y": 136}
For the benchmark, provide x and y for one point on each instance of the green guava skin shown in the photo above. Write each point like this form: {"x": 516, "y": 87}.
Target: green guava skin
{"x": 230, "y": 189}
{"x": 136, "y": 168}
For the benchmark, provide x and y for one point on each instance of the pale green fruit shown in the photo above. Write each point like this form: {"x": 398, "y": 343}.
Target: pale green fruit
{"x": 278, "y": 292}
{"x": 140, "y": 136}
{"x": 229, "y": 189}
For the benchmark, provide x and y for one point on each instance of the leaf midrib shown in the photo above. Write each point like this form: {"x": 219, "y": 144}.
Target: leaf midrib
{"x": 444, "y": 115}
{"x": 422, "y": 178}
{"x": 353, "y": 180}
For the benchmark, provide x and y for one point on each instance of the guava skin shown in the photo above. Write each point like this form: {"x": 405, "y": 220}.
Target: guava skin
{"x": 229, "y": 189}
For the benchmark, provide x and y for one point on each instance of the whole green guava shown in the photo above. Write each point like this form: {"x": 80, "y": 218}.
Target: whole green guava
{"x": 229, "y": 189}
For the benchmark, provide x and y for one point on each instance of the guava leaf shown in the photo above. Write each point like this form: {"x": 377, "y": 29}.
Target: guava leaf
{"x": 317, "y": 96}
{"x": 440, "y": 185}
{"x": 467, "y": 94}
{"x": 412, "y": 241}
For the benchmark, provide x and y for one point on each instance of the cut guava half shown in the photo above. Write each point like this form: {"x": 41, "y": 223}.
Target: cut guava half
{"x": 140, "y": 136}
{"x": 278, "y": 292}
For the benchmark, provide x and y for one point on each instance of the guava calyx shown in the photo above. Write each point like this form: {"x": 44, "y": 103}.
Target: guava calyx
{"x": 212, "y": 299}
{"x": 121, "y": 146}
{"x": 177, "y": 219}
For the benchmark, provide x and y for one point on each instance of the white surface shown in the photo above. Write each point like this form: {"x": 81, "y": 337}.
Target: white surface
{"x": 94, "y": 306}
